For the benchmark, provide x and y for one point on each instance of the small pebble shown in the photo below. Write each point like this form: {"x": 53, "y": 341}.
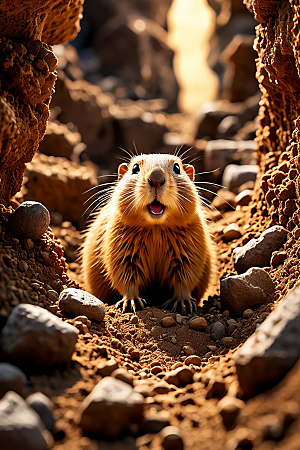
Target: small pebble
{"x": 232, "y": 232}
{"x": 229, "y": 408}
{"x": 218, "y": 331}
{"x": 134, "y": 319}
{"x": 173, "y": 340}
{"x": 106, "y": 368}
{"x": 23, "y": 266}
{"x": 193, "y": 359}
{"x": 228, "y": 341}
{"x": 188, "y": 350}
{"x": 79, "y": 302}
{"x": 198, "y": 323}
{"x": 135, "y": 355}
{"x": 180, "y": 377}
{"x": 30, "y": 220}
{"x": 156, "y": 369}
{"x": 167, "y": 321}
{"x": 244, "y": 197}
{"x": 179, "y": 318}
{"x": 28, "y": 244}
{"x": 176, "y": 365}
{"x": 171, "y": 438}
{"x": 247, "y": 313}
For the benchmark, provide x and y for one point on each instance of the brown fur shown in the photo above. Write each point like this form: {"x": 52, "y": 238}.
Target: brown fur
{"x": 128, "y": 251}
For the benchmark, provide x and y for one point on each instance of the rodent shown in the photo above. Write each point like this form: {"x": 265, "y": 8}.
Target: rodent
{"x": 150, "y": 241}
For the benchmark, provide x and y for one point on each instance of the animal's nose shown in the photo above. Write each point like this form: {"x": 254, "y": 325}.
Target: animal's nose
{"x": 156, "y": 179}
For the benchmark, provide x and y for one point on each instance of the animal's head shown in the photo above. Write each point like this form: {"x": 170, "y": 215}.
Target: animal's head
{"x": 156, "y": 189}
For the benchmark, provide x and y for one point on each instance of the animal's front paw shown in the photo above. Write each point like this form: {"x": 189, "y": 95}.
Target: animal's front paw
{"x": 179, "y": 305}
{"x": 130, "y": 303}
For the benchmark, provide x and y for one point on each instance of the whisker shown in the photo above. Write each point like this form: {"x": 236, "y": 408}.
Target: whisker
{"x": 214, "y": 193}
{"x": 135, "y": 149}
{"x": 98, "y": 186}
{"x": 127, "y": 151}
{"x": 210, "y": 171}
{"x": 180, "y": 156}
{"x": 110, "y": 189}
{"x": 177, "y": 150}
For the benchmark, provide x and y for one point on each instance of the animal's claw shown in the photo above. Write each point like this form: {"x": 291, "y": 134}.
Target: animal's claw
{"x": 123, "y": 304}
{"x": 177, "y": 303}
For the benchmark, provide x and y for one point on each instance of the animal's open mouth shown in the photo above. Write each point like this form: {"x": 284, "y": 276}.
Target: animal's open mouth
{"x": 156, "y": 208}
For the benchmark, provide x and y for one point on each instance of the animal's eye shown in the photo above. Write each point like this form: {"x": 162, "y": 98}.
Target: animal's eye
{"x": 176, "y": 168}
{"x": 135, "y": 169}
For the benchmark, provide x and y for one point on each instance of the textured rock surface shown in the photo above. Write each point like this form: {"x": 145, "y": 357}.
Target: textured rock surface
{"x": 36, "y": 339}
{"x": 250, "y": 289}
{"x": 111, "y": 407}
{"x": 27, "y": 76}
{"x": 274, "y": 348}
{"x": 78, "y": 302}
{"x": 20, "y": 425}
{"x": 258, "y": 252}
{"x": 11, "y": 379}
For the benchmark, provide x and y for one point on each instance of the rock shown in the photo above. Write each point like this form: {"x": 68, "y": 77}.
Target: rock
{"x": 250, "y": 289}
{"x": 229, "y": 408}
{"x": 258, "y": 252}
{"x": 193, "y": 359}
{"x": 234, "y": 176}
{"x": 274, "y": 348}
{"x": 188, "y": 350}
{"x": 218, "y": 331}
{"x": 231, "y": 232}
{"x": 20, "y": 425}
{"x": 154, "y": 422}
{"x": 106, "y": 368}
{"x": 277, "y": 259}
{"x": 43, "y": 406}
{"x": 156, "y": 369}
{"x": 247, "y": 313}
{"x": 180, "y": 377}
{"x": 221, "y": 153}
{"x": 167, "y": 321}
{"x": 79, "y": 302}
{"x": 11, "y": 379}
{"x": 171, "y": 438}
{"x": 228, "y": 341}
{"x": 216, "y": 389}
{"x": 162, "y": 387}
{"x": 134, "y": 319}
{"x": 30, "y": 220}
{"x": 110, "y": 408}
{"x": 239, "y": 82}
{"x": 36, "y": 339}
{"x": 244, "y": 197}
{"x": 198, "y": 323}
{"x": 59, "y": 184}
{"x": 59, "y": 140}
{"x": 123, "y": 375}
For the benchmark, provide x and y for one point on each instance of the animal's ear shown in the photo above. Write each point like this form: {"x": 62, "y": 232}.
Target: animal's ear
{"x": 190, "y": 171}
{"x": 122, "y": 169}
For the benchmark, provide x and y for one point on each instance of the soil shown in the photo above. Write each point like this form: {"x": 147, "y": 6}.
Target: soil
{"x": 138, "y": 342}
